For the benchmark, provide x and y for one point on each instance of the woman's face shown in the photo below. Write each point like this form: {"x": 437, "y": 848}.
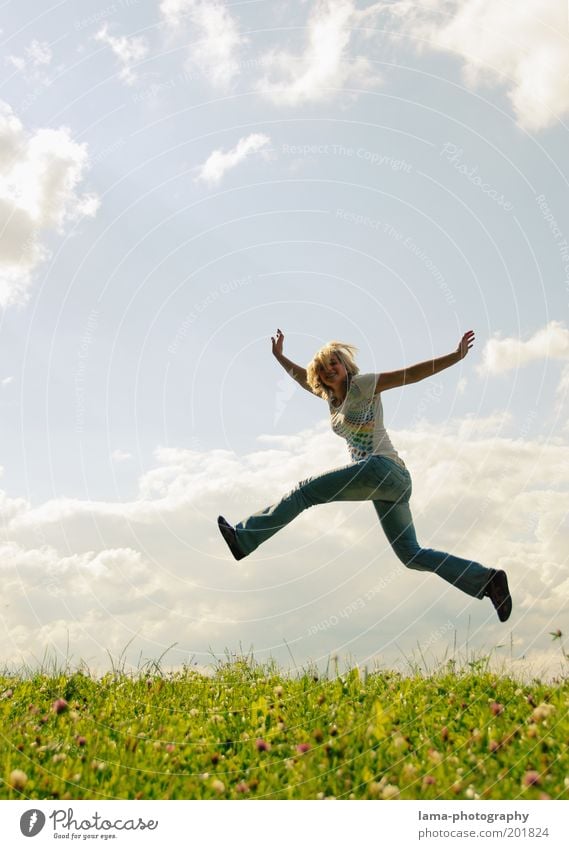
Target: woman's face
{"x": 334, "y": 373}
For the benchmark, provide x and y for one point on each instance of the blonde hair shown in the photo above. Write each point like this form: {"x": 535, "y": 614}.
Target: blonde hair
{"x": 344, "y": 352}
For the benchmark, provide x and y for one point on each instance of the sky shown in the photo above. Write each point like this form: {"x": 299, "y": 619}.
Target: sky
{"x": 178, "y": 178}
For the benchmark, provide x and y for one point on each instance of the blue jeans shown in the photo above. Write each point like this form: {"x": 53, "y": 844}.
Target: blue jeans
{"x": 388, "y": 486}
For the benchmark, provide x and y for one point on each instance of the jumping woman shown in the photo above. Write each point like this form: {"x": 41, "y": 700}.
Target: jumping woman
{"x": 377, "y": 473}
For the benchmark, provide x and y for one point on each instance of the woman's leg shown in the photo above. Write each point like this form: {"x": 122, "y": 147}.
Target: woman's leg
{"x": 363, "y": 481}
{"x": 397, "y": 522}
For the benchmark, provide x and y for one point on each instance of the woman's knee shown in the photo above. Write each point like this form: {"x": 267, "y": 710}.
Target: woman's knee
{"x": 306, "y": 493}
{"x": 407, "y": 555}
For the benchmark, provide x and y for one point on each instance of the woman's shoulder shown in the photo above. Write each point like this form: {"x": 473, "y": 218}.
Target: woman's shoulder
{"x": 365, "y": 383}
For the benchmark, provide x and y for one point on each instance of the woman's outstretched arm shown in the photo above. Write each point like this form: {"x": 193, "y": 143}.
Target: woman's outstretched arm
{"x": 392, "y": 379}
{"x": 295, "y": 371}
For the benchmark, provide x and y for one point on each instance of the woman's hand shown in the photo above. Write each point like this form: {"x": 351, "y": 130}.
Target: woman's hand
{"x": 465, "y": 344}
{"x": 278, "y": 343}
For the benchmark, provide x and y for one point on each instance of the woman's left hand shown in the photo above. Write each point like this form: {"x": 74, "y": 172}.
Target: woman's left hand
{"x": 465, "y": 344}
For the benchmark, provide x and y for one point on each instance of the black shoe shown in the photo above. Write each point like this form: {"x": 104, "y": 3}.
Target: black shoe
{"x": 230, "y": 537}
{"x": 499, "y": 594}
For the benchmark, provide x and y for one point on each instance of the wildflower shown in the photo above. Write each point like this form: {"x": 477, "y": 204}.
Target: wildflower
{"x": 542, "y": 712}
{"x": 262, "y": 745}
{"x": 435, "y": 756}
{"x": 60, "y": 756}
{"x": 318, "y": 735}
{"x": 242, "y": 787}
{"x": 428, "y": 779}
{"x": 7, "y": 694}
{"x": 278, "y": 691}
{"x": 390, "y": 791}
{"x": 59, "y": 706}
{"x": 376, "y": 787}
{"x": 399, "y": 741}
{"x": 532, "y": 730}
{"x": 471, "y": 793}
{"x": 81, "y": 741}
{"x": 444, "y": 733}
{"x": 218, "y": 785}
{"x": 408, "y": 772}
{"x": 18, "y": 779}
{"x": 170, "y": 748}
{"x": 493, "y": 746}
{"x": 530, "y": 778}
{"x": 496, "y": 708}
{"x": 303, "y": 747}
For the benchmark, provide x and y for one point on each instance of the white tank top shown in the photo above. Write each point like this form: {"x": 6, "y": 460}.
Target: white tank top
{"x": 359, "y": 420}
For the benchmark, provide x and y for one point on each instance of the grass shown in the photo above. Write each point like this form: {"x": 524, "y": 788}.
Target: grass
{"x": 251, "y": 732}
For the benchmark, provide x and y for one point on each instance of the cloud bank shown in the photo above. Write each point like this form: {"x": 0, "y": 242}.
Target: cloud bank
{"x": 154, "y": 570}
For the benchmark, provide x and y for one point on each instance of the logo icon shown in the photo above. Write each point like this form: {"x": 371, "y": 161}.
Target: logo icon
{"x": 32, "y": 822}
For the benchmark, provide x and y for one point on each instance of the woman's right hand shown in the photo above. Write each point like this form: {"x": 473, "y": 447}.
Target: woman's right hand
{"x": 278, "y": 343}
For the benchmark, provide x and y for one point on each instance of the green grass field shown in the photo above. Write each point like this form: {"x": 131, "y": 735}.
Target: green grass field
{"x": 250, "y": 732}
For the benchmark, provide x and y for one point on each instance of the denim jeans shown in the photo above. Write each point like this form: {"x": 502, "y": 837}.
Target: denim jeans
{"x": 388, "y": 486}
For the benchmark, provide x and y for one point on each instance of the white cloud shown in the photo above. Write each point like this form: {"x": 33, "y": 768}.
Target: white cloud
{"x": 522, "y": 46}
{"x": 219, "y": 162}
{"x": 502, "y": 355}
{"x": 127, "y": 50}
{"x": 39, "y": 177}
{"x": 39, "y": 52}
{"x": 7, "y": 380}
{"x": 215, "y": 35}
{"x": 119, "y": 456}
{"x": 324, "y": 64}
{"x": 38, "y": 56}
{"x": 156, "y": 569}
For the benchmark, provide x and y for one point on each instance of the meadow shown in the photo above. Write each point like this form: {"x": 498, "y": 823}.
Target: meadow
{"x": 249, "y": 731}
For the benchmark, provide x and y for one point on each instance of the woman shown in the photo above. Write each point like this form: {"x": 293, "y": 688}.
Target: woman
{"x": 376, "y": 473}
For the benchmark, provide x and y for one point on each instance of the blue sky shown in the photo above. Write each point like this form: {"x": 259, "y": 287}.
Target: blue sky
{"x": 180, "y": 178}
